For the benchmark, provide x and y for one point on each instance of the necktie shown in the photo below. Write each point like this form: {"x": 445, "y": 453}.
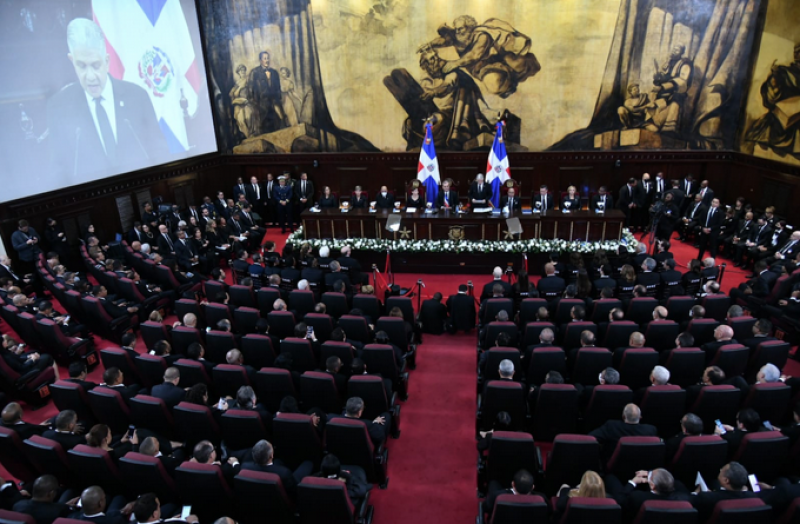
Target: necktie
{"x": 480, "y": 189}
{"x": 710, "y": 214}
{"x": 646, "y": 187}
{"x": 109, "y": 141}
{"x": 630, "y": 191}
{"x": 258, "y": 191}
{"x": 304, "y": 188}
{"x": 660, "y": 186}
{"x": 544, "y": 202}
{"x": 241, "y": 188}
{"x": 269, "y": 189}
{"x": 695, "y": 209}
{"x": 786, "y": 247}
{"x": 169, "y": 241}
{"x": 13, "y": 275}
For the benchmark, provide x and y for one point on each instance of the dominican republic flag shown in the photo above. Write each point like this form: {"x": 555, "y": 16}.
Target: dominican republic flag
{"x": 428, "y": 169}
{"x": 149, "y": 44}
{"x": 497, "y": 170}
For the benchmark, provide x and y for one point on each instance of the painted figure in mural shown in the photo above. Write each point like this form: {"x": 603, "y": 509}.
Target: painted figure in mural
{"x": 265, "y": 86}
{"x": 458, "y": 117}
{"x": 297, "y": 105}
{"x": 244, "y": 115}
{"x": 494, "y": 53}
{"x": 670, "y": 85}
{"x": 780, "y": 94}
{"x": 634, "y": 112}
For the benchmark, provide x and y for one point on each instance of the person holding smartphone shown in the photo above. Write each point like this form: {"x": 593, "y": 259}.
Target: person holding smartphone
{"x": 733, "y": 485}
{"x": 661, "y": 486}
{"x": 747, "y": 420}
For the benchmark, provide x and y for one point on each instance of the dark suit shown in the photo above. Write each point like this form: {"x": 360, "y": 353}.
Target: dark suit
{"x": 384, "y": 202}
{"x": 286, "y": 475}
{"x": 359, "y": 203}
{"x": 67, "y": 440}
{"x": 265, "y": 85}
{"x": 164, "y": 248}
{"x": 711, "y": 348}
{"x": 696, "y": 214}
{"x": 596, "y": 199}
{"x": 546, "y": 205}
{"x": 679, "y": 197}
{"x": 452, "y": 198}
{"x": 628, "y": 195}
{"x": 461, "y": 308}
{"x": 42, "y": 512}
{"x": 25, "y": 430}
{"x": 487, "y": 289}
{"x": 712, "y": 221}
{"x": 485, "y": 194}
{"x": 254, "y": 194}
{"x": 185, "y": 251}
{"x": 515, "y": 206}
{"x": 76, "y": 150}
{"x": 433, "y": 315}
{"x": 708, "y": 196}
{"x": 609, "y": 433}
{"x": 308, "y": 194}
{"x": 171, "y": 394}
{"x": 551, "y": 284}
{"x": 377, "y": 432}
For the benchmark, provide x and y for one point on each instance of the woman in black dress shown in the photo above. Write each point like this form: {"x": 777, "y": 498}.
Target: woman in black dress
{"x": 328, "y": 199}
{"x": 572, "y": 200}
{"x": 414, "y": 200}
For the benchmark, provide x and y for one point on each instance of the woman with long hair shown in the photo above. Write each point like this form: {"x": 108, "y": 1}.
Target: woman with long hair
{"x": 626, "y": 282}
{"x": 100, "y": 437}
{"x": 591, "y": 486}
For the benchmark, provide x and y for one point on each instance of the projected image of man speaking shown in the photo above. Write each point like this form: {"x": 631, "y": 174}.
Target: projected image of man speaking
{"x": 100, "y": 124}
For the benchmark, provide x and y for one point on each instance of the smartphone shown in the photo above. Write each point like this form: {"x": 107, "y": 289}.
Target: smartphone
{"x": 185, "y": 512}
{"x": 131, "y": 429}
{"x": 754, "y": 483}
{"x": 768, "y": 425}
{"x": 208, "y": 329}
{"x": 221, "y": 403}
{"x": 309, "y": 331}
{"x": 719, "y": 425}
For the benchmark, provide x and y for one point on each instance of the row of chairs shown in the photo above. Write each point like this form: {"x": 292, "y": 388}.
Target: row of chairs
{"x": 202, "y": 485}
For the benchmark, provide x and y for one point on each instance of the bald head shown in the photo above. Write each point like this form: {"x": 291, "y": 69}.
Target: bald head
{"x": 636, "y": 340}
{"x": 723, "y": 332}
{"x": 93, "y": 500}
{"x": 233, "y": 356}
{"x": 12, "y": 413}
{"x": 631, "y": 414}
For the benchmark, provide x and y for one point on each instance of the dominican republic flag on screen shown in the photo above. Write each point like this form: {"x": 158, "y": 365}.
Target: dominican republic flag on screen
{"x": 497, "y": 169}
{"x": 428, "y": 169}
{"x": 149, "y": 44}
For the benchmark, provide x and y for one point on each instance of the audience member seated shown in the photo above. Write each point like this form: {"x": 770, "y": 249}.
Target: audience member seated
{"x": 263, "y": 460}
{"x": 354, "y": 478}
{"x": 732, "y": 480}
{"x": 661, "y": 486}
{"x": 747, "y": 421}
{"x": 66, "y": 430}
{"x": 691, "y": 426}
{"x": 45, "y": 506}
{"x": 114, "y": 379}
{"x": 169, "y": 391}
{"x": 521, "y": 485}
{"x": 590, "y": 486}
{"x": 12, "y": 419}
{"x": 609, "y": 433}
{"x": 488, "y": 288}
{"x": 378, "y": 428}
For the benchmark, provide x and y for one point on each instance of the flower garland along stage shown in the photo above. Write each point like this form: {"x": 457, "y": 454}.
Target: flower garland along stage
{"x": 467, "y": 246}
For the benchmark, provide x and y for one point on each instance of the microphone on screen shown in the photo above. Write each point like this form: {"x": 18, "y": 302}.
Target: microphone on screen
{"x": 77, "y": 143}
{"x": 144, "y": 152}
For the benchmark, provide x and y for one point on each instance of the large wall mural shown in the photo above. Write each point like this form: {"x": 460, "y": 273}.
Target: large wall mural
{"x": 363, "y": 75}
{"x": 772, "y": 113}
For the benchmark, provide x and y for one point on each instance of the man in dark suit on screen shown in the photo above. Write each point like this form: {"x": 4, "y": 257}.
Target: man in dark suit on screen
{"x": 266, "y": 87}
{"x": 100, "y": 124}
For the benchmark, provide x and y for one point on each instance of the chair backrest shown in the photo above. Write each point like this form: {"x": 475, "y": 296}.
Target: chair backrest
{"x": 770, "y": 352}
{"x": 618, "y": 333}
{"x": 732, "y": 359}
{"x": 395, "y": 328}
{"x": 763, "y": 454}
{"x": 272, "y": 385}
{"x": 633, "y": 454}
{"x": 511, "y": 509}
{"x": 380, "y": 358}
{"x": 528, "y": 308}
{"x": 295, "y": 439}
{"x": 565, "y": 305}
{"x": 349, "y": 441}
{"x": 356, "y": 328}
{"x": 152, "y": 413}
{"x": 218, "y": 343}
{"x": 702, "y": 329}
{"x": 143, "y": 470}
{"x": 742, "y": 327}
{"x": 679, "y": 307}
{"x": 770, "y": 400}
{"x": 510, "y": 451}
{"x": 716, "y": 306}
{"x": 242, "y": 296}
{"x": 228, "y": 378}
{"x": 150, "y": 368}
{"x": 740, "y": 510}
{"x": 602, "y": 308}
{"x": 533, "y": 330}
{"x": 703, "y": 453}
{"x": 606, "y": 403}
{"x": 636, "y": 366}
{"x": 556, "y": 411}
{"x": 716, "y": 402}
{"x": 663, "y": 407}
{"x": 685, "y": 366}
{"x": 589, "y": 362}
{"x": 48, "y": 456}
{"x": 302, "y": 354}
{"x": 281, "y": 323}
{"x": 496, "y": 355}
{"x": 571, "y": 456}
{"x": 640, "y": 310}
{"x": 94, "y": 466}
{"x": 69, "y": 395}
{"x": 661, "y": 334}
{"x": 597, "y": 511}
{"x": 318, "y": 390}
{"x": 572, "y": 335}
{"x": 335, "y": 303}
{"x": 324, "y": 500}
{"x": 407, "y": 307}
{"x": 301, "y": 302}
{"x": 152, "y": 332}
{"x": 241, "y": 429}
{"x": 13, "y": 457}
{"x": 257, "y": 350}
{"x": 192, "y": 372}
{"x": 544, "y": 360}
{"x": 369, "y": 305}
{"x": 14, "y": 517}
{"x": 183, "y": 337}
{"x": 502, "y": 395}
{"x": 322, "y": 324}
{"x": 666, "y": 511}
{"x": 204, "y": 487}
{"x": 195, "y": 423}
{"x": 109, "y": 406}
{"x": 371, "y": 390}
{"x": 492, "y": 307}
{"x": 256, "y": 490}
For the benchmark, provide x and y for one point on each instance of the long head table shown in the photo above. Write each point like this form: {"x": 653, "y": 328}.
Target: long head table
{"x": 361, "y": 223}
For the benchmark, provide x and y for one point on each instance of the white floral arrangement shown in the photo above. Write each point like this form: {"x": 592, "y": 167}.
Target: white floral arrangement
{"x": 467, "y": 246}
